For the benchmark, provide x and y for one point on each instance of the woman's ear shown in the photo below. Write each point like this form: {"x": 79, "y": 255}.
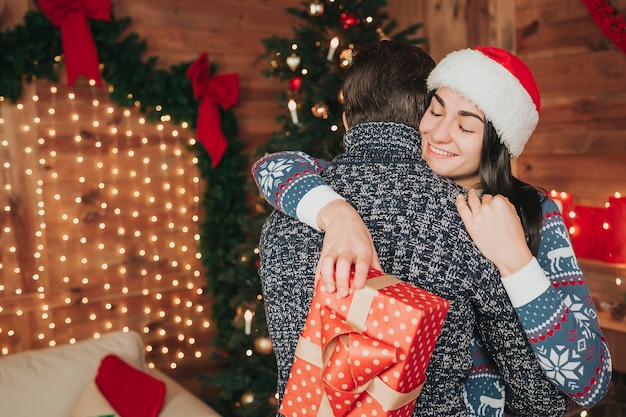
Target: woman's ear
{"x": 345, "y": 122}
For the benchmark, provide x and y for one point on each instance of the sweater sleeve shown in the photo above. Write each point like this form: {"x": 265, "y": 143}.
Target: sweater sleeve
{"x": 528, "y": 390}
{"x": 291, "y": 183}
{"x": 552, "y": 300}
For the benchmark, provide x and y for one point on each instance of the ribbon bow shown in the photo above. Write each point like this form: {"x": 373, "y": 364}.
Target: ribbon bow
{"x": 79, "y": 48}
{"x": 339, "y": 352}
{"x": 220, "y": 90}
{"x": 352, "y": 363}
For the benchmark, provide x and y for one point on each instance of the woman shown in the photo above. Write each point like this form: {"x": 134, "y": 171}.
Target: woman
{"x": 484, "y": 107}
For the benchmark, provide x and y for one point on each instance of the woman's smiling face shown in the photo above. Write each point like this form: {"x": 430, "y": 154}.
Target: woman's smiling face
{"x": 452, "y": 137}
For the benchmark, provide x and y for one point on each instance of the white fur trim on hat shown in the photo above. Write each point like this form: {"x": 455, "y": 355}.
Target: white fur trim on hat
{"x": 493, "y": 88}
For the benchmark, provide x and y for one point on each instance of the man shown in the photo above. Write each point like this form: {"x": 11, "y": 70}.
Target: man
{"x": 419, "y": 237}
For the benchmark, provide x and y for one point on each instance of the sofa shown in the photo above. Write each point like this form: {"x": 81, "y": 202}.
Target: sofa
{"x": 73, "y": 380}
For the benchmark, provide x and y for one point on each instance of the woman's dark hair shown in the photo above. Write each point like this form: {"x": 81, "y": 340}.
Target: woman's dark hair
{"x": 496, "y": 177}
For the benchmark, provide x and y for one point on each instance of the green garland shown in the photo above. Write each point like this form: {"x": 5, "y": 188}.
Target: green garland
{"x": 29, "y": 52}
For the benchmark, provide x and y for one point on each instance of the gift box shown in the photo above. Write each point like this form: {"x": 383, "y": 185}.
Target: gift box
{"x": 365, "y": 354}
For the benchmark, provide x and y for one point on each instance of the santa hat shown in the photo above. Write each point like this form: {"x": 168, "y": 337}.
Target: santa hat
{"x": 500, "y": 84}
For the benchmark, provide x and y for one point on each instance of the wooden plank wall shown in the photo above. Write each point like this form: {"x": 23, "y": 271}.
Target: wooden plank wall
{"x": 231, "y": 33}
{"x": 580, "y": 143}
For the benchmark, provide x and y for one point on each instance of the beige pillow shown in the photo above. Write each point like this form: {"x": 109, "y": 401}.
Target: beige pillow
{"x": 92, "y": 403}
{"x": 59, "y": 374}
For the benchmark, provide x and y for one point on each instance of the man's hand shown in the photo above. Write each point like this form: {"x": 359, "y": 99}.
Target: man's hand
{"x": 347, "y": 242}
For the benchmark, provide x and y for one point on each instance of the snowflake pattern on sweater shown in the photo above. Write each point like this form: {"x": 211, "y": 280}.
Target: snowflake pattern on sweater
{"x": 560, "y": 322}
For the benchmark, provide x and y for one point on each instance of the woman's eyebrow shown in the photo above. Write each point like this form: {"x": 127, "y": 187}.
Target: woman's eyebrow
{"x": 471, "y": 114}
{"x": 461, "y": 112}
{"x": 439, "y": 99}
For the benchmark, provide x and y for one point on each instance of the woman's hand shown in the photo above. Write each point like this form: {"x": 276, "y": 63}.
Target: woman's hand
{"x": 496, "y": 229}
{"x": 347, "y": 242}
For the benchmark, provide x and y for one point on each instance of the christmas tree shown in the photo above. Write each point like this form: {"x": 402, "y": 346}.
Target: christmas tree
{"x": 312, "y": 64}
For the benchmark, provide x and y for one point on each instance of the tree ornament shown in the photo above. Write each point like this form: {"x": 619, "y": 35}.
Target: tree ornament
{"x": 294, "y": 83}
{"x": 340, "y": 98}
{"x": 263, "y": 345}
{"x": 345, "y": 58}
{"x": 247, "y": 398}
{"x": 320, "y": 110}
{"x": 348, "y": 19}
{"x": 315, "y": 8}
{"x": 293, "y": 62}
{"x": 259, "y": 207}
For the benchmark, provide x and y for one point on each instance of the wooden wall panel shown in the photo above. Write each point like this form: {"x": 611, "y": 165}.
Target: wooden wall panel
{"x": 454, "y": 24}
{"x": 580, "y": 142}
{"x": 583, "y": 175}
{"x": 231, "y": 33}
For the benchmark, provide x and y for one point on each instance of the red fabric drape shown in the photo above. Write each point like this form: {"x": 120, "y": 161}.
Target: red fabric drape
{"x": 79, "y": 48}
{"x": 220, "y": 90}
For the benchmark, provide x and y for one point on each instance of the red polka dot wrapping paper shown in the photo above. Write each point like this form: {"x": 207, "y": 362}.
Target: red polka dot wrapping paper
{"x": 365, "y": 354}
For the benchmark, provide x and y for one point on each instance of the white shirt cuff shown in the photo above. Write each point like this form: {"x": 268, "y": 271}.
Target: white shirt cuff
{"x": 526, "y": 284}
{"x": 312, "y": 202}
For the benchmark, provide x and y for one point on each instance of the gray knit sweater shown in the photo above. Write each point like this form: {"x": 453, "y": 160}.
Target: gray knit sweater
{"x": 419, "y": 238}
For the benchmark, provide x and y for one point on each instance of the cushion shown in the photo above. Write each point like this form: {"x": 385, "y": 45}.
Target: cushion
{"x": 92, "y": 403}
{"x": 133, "y": 393}
{"x": 57, "y": 376}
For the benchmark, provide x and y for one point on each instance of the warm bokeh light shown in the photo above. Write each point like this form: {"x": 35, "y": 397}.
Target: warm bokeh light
{"x": 116, "y": 211}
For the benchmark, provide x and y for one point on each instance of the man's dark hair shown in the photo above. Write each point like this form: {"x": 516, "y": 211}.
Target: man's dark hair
{"x": 387, "y": 83}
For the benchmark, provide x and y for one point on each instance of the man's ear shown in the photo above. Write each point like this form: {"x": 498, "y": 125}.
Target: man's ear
{"x": 345, "y": 122}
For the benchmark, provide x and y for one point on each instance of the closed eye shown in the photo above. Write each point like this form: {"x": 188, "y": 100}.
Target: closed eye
{"x": 465, "y": 130}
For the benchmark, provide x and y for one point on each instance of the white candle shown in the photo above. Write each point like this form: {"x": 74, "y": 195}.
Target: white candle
{"x": 334, "y": 43}
{"x": 292, "y": 110}
{"x": 247, "y": 316}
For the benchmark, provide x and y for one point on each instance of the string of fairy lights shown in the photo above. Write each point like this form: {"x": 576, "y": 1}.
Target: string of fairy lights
{"x": 115, "y": 229}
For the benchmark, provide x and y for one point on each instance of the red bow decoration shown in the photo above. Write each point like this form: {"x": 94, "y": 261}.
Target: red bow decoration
{"x": 220, "y": 90}
{"x": 79, "y": 48}
{"x": 348, "y": 372}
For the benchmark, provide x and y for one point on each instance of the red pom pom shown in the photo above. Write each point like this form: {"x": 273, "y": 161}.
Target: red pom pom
{"x": 295, "y": 82}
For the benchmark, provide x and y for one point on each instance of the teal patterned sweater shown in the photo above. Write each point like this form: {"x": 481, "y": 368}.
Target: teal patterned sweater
{"x": 550, "y": 295}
